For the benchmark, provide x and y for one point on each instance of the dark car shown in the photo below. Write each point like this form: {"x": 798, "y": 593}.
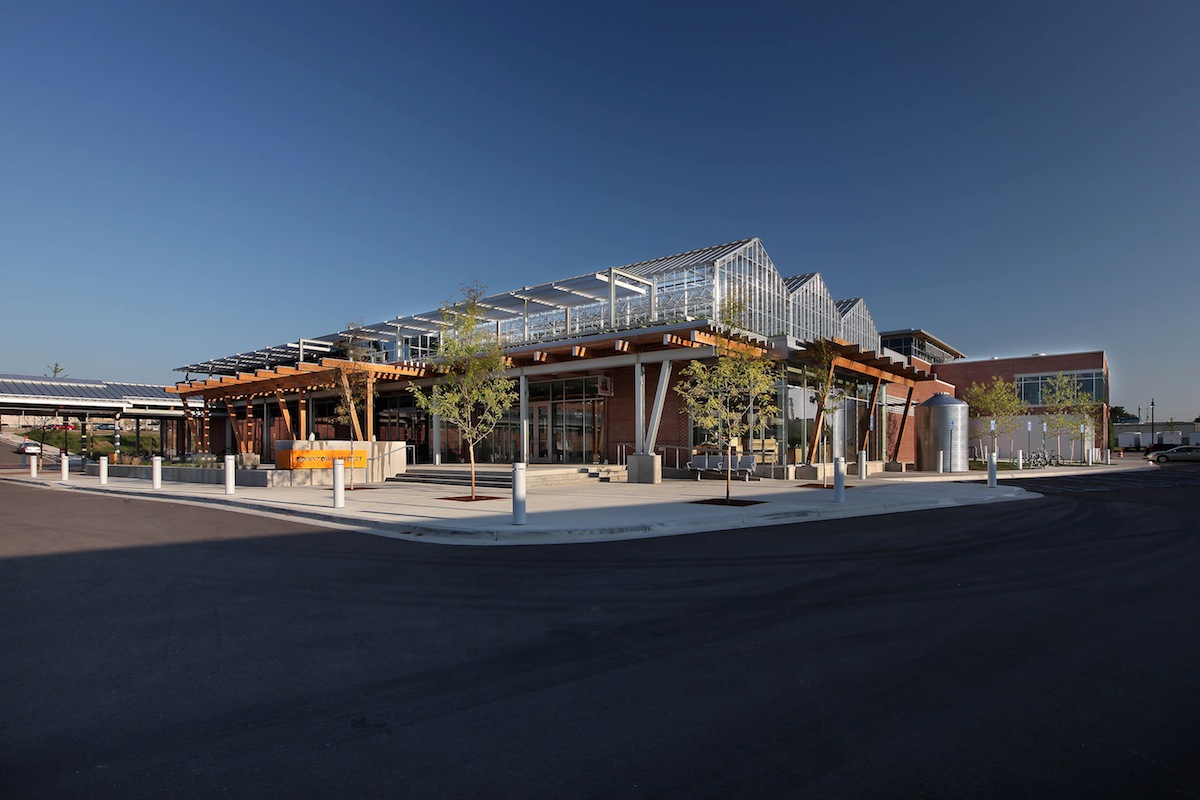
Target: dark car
{"x": 1158, "y": 448}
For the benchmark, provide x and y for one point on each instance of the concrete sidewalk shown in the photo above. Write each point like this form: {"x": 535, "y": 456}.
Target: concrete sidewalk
{"x": 582, "y": 513}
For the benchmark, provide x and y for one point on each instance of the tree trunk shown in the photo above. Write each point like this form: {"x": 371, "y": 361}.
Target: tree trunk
{"x": 728, "y": 470}
{"x": 471, "y": 452}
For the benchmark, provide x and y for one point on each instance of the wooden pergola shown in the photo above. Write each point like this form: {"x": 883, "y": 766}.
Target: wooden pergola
{"x": 282, "y": 381}
{"x": 852, "y": 359}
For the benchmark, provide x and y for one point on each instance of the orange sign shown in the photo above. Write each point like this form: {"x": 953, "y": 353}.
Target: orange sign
{"x": 319, "y": 459}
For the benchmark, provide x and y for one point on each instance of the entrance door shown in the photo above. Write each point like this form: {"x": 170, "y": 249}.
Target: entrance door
{"x": 541, "y": 439}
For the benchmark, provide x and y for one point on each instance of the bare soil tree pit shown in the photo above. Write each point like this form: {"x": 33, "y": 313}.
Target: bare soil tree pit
{"x": 469, "y": 499}
{"x": 721, "y": 501}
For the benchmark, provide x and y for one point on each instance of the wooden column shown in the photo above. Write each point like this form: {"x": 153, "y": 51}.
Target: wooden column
{"x": 303, "y": 432}
{"x": 370, "y": 407}
{"x": 865, "y": 424}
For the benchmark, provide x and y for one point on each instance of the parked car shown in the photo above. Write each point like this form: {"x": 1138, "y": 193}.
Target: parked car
{"x": 1158, "y": 448}
{"x": 1187, "y": 452}
{"x": 30, "y": 448}
{"x": 106, "y": 426}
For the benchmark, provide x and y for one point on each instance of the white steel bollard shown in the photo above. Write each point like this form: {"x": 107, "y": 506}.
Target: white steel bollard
{"x": 1107, "y": 457}
{"x": 104, "y": 470}
{"x": 1020, "y": 459}
{"x": 941, "y": 461}
{"x": 339, "y": 483}
{"x": 64, "y": 464}
{"x": 862, "y": 465}
{"x": 33, "y": 464}
{"x": 518, "y": 484}
{"x": 992, "y": 470}
{"x": 839, "y": 480}
{"x": 230, "y": 473}
{"x": 156, "y": 472}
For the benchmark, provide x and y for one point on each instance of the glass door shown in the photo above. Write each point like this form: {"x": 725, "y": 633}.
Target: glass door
{"x": 541, "y": 444}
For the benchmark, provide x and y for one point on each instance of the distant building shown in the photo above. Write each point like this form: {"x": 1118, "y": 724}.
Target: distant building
{"x": 1030, "y": 374}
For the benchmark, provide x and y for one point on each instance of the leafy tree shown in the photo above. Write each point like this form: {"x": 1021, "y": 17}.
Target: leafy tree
{"x": 1067, "y": 407}
{"x": 473, "y": 393}
{"x": 56, "y": 371}
{"x": 732, "y": 395}
{"x": 997, "y": 402}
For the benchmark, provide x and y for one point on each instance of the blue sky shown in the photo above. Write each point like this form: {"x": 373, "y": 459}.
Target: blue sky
{"x": 185, "y": 181}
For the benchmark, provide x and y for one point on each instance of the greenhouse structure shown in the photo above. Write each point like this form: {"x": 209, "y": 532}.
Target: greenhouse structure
{"x": 596, "y": 357}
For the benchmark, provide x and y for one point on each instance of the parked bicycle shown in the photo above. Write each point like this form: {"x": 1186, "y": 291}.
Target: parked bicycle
{"x": 1040, "y": 458}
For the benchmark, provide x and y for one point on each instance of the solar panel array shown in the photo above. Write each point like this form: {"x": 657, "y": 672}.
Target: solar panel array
{"x": 76, "y": 388}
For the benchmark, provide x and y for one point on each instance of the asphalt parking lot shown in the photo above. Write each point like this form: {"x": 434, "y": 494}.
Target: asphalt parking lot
{"x": 1043, "y": 648}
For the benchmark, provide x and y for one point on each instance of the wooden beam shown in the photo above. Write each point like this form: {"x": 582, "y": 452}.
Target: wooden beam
{"x": 874, "y": 372}
{"x": 903, "y": 422}
{"x": 865, "y": 424}
{"x": 358, "y": 434}
{"x": 283, "y": 411}
{"x": 672, "y": 340}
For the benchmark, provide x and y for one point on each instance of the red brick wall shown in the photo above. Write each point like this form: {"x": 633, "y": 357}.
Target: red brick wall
{"x": 672, "y": 429}
{"x": 922, "y": 392}
{"x": 963, "y": 373}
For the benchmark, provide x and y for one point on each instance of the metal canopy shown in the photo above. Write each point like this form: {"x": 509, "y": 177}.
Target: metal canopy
{"x": 581, "y": 290}
{"x": 608, "y": 285}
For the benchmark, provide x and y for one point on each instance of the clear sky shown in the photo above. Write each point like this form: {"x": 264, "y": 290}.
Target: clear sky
{"x": 181, "y": 181}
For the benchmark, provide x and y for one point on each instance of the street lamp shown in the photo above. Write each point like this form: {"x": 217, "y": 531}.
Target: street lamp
{"x": 1151, "y": 420}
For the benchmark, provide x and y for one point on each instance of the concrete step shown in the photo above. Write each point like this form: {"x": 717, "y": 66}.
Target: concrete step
{"x": 492, "y": 477}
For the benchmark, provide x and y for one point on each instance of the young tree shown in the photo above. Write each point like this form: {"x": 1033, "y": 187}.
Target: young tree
{"x": 826, "y": 393}
{"x": 354, "y": 385}
{"x": 998, "y": 403}
{"x": 1067, "y": 407}
{"x": 731, "y": 396}
{"x": 473, "y": 393}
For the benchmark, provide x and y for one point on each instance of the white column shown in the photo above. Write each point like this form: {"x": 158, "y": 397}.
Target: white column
{"x": 518, "y": 484}
{"x": 524, "y": 395}
{"x": 1020, "y": 459}
{"x": 941, "y": 461}
{"x": 33, "y": 466}
{"x": 230, "y": 479}
{"x": 992, "y": 470}
{"x": 862, "y": 465}
{"x": 660, "y": 400}
{"x": 156, "y": 472}
{"x": 64, "y": 464}
{"x": 104, "y": 470}
{"x": 839, "y": 480}
{"x": 639, "y": 408}
{"x": 339, "y": 483}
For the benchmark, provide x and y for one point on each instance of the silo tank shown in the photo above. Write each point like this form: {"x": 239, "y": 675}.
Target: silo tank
{"x": 942, "y": 425}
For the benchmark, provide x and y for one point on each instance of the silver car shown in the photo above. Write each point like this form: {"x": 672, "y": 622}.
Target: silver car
{"x": 30, "y": 448}
{"x": 1187, "y": 452}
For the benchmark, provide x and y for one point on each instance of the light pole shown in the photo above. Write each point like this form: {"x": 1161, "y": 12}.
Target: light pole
{"x": 1151, "y": 420}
